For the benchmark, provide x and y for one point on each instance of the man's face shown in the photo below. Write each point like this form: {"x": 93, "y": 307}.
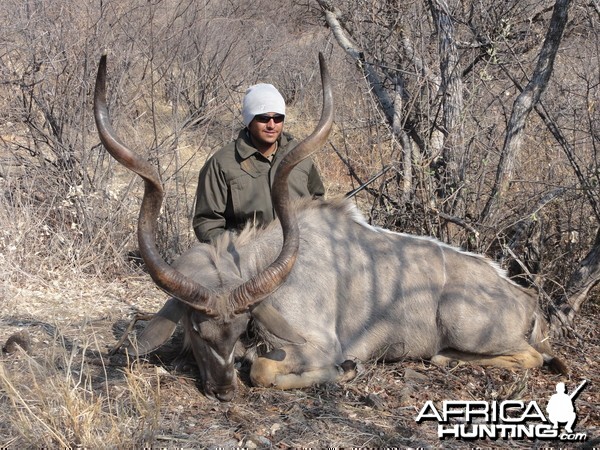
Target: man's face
{"x": 266, "y": 128}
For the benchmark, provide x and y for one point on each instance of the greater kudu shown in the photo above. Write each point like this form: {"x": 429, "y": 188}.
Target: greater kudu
{"x": 339, "y": 290}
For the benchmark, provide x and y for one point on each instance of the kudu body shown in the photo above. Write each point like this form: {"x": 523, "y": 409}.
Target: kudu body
{"x": 324, "y": 288}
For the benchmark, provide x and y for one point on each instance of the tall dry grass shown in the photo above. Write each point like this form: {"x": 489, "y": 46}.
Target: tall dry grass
{"x": 57, "y": 400}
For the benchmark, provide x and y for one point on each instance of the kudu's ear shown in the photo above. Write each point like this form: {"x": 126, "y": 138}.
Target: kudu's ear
{"x": 160, "y": 328}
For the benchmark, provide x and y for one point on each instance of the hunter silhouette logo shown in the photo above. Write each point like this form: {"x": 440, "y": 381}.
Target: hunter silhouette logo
{"x": 508, "y": 419}
{"x": 560, "y": 407}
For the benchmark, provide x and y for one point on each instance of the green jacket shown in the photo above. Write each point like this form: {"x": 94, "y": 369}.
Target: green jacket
{"x": 234, "y": 186}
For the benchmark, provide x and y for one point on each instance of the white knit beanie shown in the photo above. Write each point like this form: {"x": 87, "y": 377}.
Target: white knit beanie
{"x": 260, "y": 99}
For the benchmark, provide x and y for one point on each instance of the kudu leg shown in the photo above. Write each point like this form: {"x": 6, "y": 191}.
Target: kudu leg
{"x": 526, "y": 359}
{"x": 293, "y": 367}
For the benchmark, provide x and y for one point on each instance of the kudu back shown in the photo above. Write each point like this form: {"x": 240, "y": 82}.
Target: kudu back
{"x": 325, "y": 289}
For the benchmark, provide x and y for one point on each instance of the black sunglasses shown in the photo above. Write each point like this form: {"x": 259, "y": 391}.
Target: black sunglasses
{"x": 263, "y": 118}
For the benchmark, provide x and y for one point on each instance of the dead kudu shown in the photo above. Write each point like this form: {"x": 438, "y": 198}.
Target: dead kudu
{"x": 325, "y": 289}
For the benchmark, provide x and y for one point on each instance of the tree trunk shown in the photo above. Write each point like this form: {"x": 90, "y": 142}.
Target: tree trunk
{"x": 451, "y": 90}
{"x": 524, "y": 103}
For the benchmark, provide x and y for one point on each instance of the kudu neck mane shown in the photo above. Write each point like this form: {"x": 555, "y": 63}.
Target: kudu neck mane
{"x": 256, "y": 245}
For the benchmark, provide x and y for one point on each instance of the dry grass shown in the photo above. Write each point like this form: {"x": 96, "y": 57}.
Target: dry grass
{"x": 58, "y": 402}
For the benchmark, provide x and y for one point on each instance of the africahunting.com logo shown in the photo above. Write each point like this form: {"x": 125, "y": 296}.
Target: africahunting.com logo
{"x": 509, "y": 419}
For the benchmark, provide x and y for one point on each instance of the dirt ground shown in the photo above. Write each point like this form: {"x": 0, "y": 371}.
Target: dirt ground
{"x": 68, "y": 327}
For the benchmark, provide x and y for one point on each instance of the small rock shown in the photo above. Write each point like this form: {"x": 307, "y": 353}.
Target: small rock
{"x": 19, "y": 339}
{"x": 374, "y": 401}
{"x": 410, "y": 374}
{"x": 406, "y": 395}
{"x": 257, "y": 441}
